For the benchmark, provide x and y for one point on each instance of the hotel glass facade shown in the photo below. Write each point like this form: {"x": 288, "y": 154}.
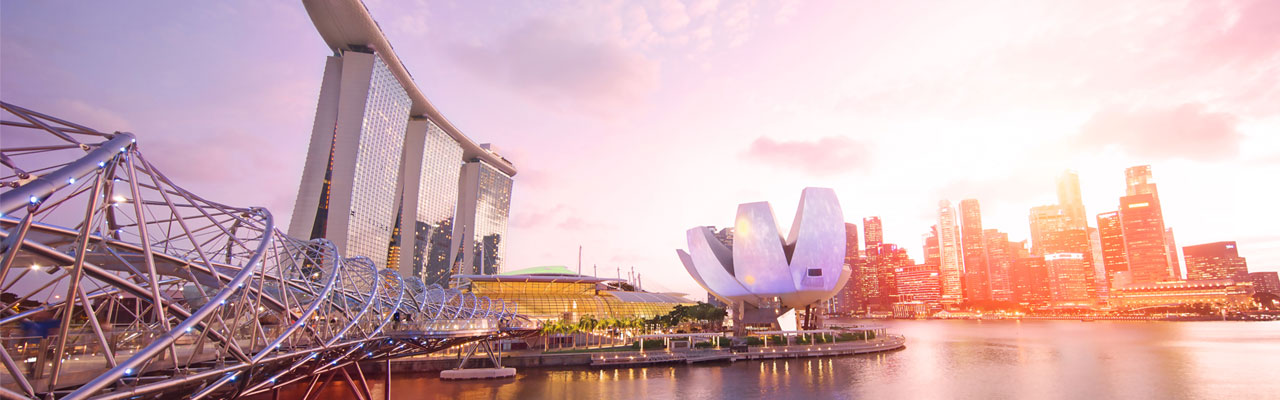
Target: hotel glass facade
{"x": 484, "y": 207}
{"x": 377, "y": 165}
{"x": 437, "y": 203}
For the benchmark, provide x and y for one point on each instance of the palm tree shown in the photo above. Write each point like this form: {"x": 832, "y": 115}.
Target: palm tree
{"x": 588, "y": 324}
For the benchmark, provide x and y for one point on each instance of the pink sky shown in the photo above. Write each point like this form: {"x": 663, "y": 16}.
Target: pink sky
{"x": 632, "y": 122}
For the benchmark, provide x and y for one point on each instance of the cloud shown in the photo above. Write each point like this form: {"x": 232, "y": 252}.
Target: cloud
{"x": 1187, "y": 131}
{"x": 825, "y": 156}
{"x": 552, "y": 63}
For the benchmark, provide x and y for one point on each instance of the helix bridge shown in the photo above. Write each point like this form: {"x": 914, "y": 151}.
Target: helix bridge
{"x": 116, "y": 283}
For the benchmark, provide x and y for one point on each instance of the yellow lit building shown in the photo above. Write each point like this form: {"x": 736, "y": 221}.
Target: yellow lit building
{"x": 555, "y": 293}
{"x": 1217, "y": 291}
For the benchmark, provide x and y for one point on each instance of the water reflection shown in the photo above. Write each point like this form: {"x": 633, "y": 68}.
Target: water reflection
{"x": 943, "y": 359}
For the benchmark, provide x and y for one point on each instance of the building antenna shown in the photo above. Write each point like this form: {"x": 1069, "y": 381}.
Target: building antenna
{"x": 594, "y": 272}
{"x": 579, "y": 259}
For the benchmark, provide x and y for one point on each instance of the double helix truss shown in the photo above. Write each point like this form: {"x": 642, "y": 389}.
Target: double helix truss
{"x": 117, "y": 283}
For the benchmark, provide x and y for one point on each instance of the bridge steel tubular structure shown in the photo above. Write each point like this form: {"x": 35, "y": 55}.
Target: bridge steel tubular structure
{"x": 119, "y": 284}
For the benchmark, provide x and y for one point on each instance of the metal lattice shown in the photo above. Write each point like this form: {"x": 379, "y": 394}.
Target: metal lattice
{"x": 117, "y": 283}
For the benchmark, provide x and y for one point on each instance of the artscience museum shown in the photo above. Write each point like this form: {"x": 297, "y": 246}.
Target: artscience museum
{"x": 762, "y": 274}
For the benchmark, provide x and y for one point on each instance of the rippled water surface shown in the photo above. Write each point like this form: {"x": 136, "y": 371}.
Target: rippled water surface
{"x": 943, "y": 360}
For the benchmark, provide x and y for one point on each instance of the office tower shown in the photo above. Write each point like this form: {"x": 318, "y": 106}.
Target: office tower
{"x": 931, "y": 247}
{"x": 1069, "y": 279}
{"x": 846, "y": 301}
{"x": 918, "y": 283}
{"x": 1171, "y": 253}
{"x": 1029, "y": 279}
{"x": 1138, "y": 181}
{"x": 1111, "y": 239}
{"x": 1100, "y": 282}
{"x": 1218, "y": 260}
{"x": 1043, "y": 220}
{"x": 1000, "y": 259}
{"x": 977, "y": 284}
{"x": 484, "y": 205}
{"x": 1147, "y": 255}
{"x": 1265, "y": 282}
{"x": 873, "y": 233}
{"x": 349, "y": 181}
{"x": 1070, "y": 201}
{"x": 951, "y": 261}
{"x": 881, "y": 263}
{"x": 1073, "y": 241}
{"x": 382, "y": 169}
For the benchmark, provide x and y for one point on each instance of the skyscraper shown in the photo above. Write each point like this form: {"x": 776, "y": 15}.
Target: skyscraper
{"x": 383, "y": 165}
{"x": 1114, "y": 260}
{"x": 918, "y": 283}
{"x": 481, "y": 227}
{"x": 1000, "y": 258}
{"x": 1044, "y": 220}
{"x": 1171, "y": 253}
{"x": 1069, "y": 279}
{"x": 1029, "y": 279}
{"x": 1144, "y": 244}
{"x": 348, "y": 188}
{"x": 1218, "y": 260}
{"x": 951, "y": 261}
{"x": 873, "y": 232}
{"x": 1266, "y": 282}
{"x": 973, "y": 247}
{"x": 1070, "y": 200}
{"x": 846, "y": 301}
{"x": 1138, "y": 180}
{"x": 931, "y": 247}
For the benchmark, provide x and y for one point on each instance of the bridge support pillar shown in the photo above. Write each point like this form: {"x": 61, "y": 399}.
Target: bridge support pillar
{"x": 498, "y": 371}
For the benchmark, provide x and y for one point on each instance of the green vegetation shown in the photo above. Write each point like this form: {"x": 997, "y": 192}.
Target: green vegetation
{"x": 649, "y": 344}
{"x": 845, "y": 337}
{"x": 702, "y": 316}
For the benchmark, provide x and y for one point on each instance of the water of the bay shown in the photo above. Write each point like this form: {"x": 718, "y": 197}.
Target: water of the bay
{"x": 942, "y": 360}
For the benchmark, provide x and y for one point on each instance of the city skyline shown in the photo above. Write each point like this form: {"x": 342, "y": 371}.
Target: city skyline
{"x": 611, "y": 193}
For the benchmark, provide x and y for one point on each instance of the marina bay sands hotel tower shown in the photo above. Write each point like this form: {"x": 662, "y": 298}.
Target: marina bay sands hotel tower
{"x": 387, "y": 176}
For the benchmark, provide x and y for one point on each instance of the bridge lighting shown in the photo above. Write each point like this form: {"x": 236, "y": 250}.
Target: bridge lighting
{"x": 35, "y": 267}
{"x": 118, "y": 199}
{"x": 34, "y": 200}
{"x": 102, "y": 164}
{"x": 128, "y": 371}
{"x": 71, "y": 180}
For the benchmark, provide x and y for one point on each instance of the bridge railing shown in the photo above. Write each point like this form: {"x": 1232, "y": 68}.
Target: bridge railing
{"x": 135, "y": 286}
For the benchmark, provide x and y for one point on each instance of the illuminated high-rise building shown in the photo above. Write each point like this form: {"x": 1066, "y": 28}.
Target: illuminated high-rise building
{"x": 1044, "y": 220}
{"x": 847, "y": 300}
{"x": 1138, "y": 180}
{"x": 1000, "y": 258}
{"x": 1070, "y": 201}
{"x": 1111, "y": 238}
{"x": 481, "y": 226}
{"x": 1266, "y": 282}
{"x": 1171, "y": 253}
{"x": 918, "y": 283}
{"x": 950, "y": 256}
{"x": 1218, "y": 260}
{"x": 977, "y": 284}
{"x": 873, "y": 232}
{"x": 1145, "y": 250}
{"x": 1069, "y": 279}
{"x": 931, "y": 247}
{"x": 1029, "y": 280}
{"x": 382, "y": 163}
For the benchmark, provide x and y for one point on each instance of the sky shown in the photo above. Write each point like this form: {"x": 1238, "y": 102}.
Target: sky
{"x": 631, "y": 122}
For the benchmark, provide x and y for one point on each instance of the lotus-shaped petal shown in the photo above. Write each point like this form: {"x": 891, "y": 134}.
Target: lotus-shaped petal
{"x": 805, "y": 268}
